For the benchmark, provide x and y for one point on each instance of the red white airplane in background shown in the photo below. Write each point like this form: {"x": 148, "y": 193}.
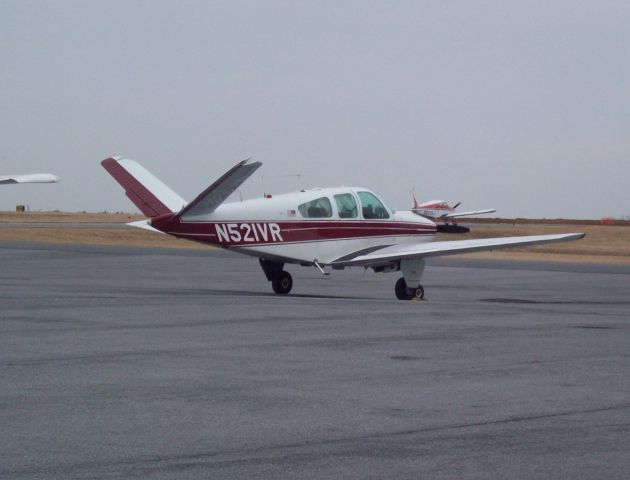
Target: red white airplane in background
{"x": 440, "y": 210}
{"x": 324, "y": 227}
{"x": 28, "y": 178}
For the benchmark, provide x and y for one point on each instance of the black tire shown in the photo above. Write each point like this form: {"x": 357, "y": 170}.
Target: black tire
{"x": 282, "y": 283}
{"x": 401, "y": 290}
{"x": 420, "y": 292}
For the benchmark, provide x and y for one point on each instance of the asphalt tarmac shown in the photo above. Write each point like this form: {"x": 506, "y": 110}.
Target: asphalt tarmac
{"x": 165, "y": 364}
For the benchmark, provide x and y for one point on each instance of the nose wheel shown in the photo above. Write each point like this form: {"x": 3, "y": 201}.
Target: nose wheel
{"x": 405, "y": 293}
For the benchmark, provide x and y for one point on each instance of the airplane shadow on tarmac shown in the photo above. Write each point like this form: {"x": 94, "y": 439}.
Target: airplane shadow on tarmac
{"x": 550, "y": 302}
{"x": 239, "y": 293}
{"x": 192, "y": 292}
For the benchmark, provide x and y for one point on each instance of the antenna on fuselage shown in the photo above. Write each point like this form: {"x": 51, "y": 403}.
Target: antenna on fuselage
{"x": 298, "y": 177}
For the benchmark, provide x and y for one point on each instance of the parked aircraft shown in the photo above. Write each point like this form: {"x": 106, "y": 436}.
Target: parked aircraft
{"x": 323, "y": 227}
{"x": 441, "y": 210}
{"x": 28, "y": 178}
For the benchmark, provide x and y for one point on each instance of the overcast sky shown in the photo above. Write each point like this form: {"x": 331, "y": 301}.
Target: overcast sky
{"x": 520, "y": 105}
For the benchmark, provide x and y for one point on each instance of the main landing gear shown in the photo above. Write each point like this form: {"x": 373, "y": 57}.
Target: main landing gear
{"x": 412, "y": 270}
{"x": 404, "y": 293}
{"x": 281, "y": 280}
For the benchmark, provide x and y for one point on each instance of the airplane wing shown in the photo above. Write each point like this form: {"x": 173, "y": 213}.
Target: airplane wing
{"x": 433, "y": 249}
{"x": 467, "y": 214}
{"x": 213, "y": 196}
{"x": 30, "y": 178}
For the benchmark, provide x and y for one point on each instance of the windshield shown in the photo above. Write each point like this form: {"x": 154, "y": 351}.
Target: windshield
{"x": 372, "y": 206}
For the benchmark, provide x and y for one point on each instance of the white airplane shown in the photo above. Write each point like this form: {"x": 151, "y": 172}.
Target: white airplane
{"x": 28, "y": 178}
{"x": 324, "y": 227}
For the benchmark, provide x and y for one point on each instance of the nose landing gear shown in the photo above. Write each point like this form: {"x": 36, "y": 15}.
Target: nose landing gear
{"x": 405, "y": 293}
{"x": 412, "y": 270}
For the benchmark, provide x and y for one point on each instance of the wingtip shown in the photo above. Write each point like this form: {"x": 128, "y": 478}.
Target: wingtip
{"x": 575, "y": 236}
{"x": 250, "y": 161}
{"x": 113, "y": 158}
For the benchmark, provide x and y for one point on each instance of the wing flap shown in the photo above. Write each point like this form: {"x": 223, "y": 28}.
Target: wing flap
{"x": 434, "y": 249}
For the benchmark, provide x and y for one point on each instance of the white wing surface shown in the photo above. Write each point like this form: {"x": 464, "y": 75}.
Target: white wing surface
{"x": 434, "y": 249}
{"x": 29, "y": 178}
{"x": 467, "y": 214}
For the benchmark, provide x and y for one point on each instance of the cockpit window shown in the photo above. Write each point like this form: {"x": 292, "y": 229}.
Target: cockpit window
{"x": 318, "y": 208}
{"x": 372, "y": 206}
{"x": 346, "y": 205}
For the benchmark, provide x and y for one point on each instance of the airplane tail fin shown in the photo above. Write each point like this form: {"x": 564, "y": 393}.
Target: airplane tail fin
{"x": 146, "y": 191}
{"x": 213, "y": 196}
{"x": 415, "y": 202}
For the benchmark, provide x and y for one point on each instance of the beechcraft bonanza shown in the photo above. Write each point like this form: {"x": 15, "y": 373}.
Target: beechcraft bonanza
{"x": 28, "y": 178}
{"x": 439, "y": 210}
{"x": 325, "y": 227}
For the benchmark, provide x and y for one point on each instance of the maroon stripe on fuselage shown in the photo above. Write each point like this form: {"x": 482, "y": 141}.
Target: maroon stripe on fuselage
{"x": 142, "y": 198}
{"x": 253, "y": 232}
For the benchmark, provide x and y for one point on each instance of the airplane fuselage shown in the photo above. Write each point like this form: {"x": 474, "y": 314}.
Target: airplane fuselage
{"x": 282, "y": 227}
{"x": 432, "y": 212}
{"x": 435, "y": 209}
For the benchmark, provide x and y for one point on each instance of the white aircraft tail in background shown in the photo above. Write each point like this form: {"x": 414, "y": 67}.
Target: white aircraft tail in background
{"x": 324, "y": 227}
{"x": 28, "y": 178}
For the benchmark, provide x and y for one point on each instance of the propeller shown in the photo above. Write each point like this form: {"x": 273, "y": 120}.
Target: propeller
{"x": 456, "y": 205}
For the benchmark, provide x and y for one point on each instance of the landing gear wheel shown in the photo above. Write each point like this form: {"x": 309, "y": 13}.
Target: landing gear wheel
{"x": 402, "y": 292}
{"x": 282, "y": 283}
{"x": 420, "y": 292}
